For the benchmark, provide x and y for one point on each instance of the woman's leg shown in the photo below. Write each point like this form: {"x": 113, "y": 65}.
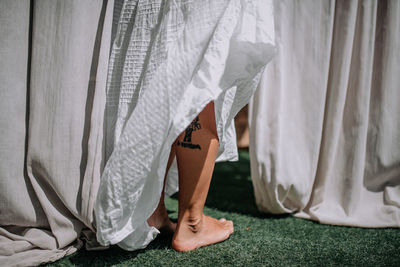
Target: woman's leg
{"x": 196, "y": 151}
{"x": 159, "y": 219}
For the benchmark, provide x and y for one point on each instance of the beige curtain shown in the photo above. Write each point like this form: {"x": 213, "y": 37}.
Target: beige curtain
{"x": 325, "y": 122}
{"x": 54, "y": 57}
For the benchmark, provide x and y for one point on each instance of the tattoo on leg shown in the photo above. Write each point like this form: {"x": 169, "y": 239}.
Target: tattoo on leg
{"x": 187, "y": 140}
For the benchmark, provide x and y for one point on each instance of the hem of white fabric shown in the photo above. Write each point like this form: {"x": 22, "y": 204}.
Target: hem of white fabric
{"x": 119, "y": 235}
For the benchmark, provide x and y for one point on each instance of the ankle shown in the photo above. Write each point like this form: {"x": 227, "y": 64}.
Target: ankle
{"x": 192, "y": 222}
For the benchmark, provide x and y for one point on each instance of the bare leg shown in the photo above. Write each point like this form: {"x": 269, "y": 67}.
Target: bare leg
{"x": 196, "y": 151}
{"x": 159, "y": 219}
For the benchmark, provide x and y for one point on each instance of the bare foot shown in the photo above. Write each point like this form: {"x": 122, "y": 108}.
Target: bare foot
{"x": 195, "y": 233}
{"x": 160, "y": 220}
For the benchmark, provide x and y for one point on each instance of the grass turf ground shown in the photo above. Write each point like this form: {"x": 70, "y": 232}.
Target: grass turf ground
{"x": 259, "y": 239}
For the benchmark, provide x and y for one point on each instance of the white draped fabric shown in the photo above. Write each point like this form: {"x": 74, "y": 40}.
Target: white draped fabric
{"x": 325, "y": 121}
{"x": 52, "y": 96}
{"x": 168, "y": 61}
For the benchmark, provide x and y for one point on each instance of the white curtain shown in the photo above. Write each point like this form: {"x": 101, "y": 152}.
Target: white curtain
{"x": 325, "y": 121}
{"x": 54, "y": 57}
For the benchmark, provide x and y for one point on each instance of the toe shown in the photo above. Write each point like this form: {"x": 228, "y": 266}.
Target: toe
{"x": 229, "y": 226}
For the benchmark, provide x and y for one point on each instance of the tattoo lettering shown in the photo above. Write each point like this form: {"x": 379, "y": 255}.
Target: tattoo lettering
{"x": 187, "y": 140}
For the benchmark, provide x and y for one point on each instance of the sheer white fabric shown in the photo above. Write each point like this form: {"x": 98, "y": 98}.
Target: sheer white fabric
{"x": 169, "y": 59}
{"x": 325, "y": 122}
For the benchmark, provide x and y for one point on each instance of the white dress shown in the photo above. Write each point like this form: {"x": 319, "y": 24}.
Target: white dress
{"x": 169, "y": 59}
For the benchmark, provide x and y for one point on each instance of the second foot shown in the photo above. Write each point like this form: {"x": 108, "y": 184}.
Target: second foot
{"x": 203, "y": 232}
{"x": 160, "y": 220}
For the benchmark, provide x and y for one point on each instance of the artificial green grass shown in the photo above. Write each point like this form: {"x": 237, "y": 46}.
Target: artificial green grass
{"x": 259, "y": 239}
